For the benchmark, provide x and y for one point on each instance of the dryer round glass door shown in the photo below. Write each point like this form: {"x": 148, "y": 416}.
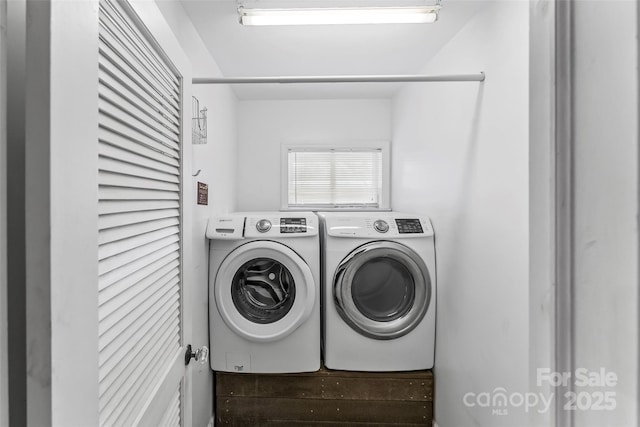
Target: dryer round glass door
{"x": 264, "y": 291}
{"x": 382, "y": 290}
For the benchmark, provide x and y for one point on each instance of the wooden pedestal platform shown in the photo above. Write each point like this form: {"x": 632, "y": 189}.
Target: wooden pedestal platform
{"x": 329, "y": 398}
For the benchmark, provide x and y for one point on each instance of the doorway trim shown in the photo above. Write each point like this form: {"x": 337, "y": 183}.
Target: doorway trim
{"x": 551, "y": 201}
{"x": 4, "y": 357}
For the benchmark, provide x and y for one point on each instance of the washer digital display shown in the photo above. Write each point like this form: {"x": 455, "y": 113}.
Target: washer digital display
{"x": 409, "y": 226}
{"x": 293, "y": 225}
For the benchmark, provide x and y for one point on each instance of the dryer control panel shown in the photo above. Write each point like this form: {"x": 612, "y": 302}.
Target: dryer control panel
{"x": 383, "y": 226}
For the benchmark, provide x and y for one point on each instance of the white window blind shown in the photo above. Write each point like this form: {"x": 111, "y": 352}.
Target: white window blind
{"x": 334, "y": 178}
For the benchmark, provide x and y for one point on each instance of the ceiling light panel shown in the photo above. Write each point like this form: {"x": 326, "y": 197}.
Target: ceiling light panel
{"x": 352, "y": 14}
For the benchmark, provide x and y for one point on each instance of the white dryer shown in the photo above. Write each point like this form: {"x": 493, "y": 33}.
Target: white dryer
{"x": 379, "y": 296}
{"x": 264, "y": 292}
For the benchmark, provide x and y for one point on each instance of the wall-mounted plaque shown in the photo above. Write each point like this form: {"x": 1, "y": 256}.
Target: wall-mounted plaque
{"x": 203, "y": 193}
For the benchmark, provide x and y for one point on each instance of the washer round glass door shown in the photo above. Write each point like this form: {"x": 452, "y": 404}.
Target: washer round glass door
{"x": 382, "y": 290}
{"x": 264, "y": 291}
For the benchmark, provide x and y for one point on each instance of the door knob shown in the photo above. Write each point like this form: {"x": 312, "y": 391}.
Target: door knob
{"x": 201, "y": 355}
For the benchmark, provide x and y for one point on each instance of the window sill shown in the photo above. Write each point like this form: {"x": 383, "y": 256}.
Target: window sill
{"x": 329, "y": 209}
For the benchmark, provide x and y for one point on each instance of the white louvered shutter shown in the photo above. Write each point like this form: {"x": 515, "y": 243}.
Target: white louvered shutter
{"x": 139, "y": 219}
{"x": 171, "y": 416}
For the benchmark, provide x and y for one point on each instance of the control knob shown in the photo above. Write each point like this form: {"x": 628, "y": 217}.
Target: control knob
{"x": 263, "y": 225}
{"x": 381, "y": 226}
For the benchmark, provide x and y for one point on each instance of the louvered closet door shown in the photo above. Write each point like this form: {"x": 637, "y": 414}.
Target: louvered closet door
{"x": 141, "y": 359}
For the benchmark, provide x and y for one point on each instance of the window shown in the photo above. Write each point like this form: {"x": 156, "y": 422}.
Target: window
{"x": 336, "y": 177}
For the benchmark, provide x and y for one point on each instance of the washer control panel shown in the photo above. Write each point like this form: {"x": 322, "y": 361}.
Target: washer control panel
{"x": 381, "y": 226}
{"x": 409, "y": 226}
{"x": 263, "y": 225}
{"x": 293, "y": 225}
{"x": 228, "y": 227}
{"x": 280, "y": 225}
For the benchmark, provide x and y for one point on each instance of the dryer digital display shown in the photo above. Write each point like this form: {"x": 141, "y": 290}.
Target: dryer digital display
{"x": 409, "y": 226}
{"x": 293, "y": 225}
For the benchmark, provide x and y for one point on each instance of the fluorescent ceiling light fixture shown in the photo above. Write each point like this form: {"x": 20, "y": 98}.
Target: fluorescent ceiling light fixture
{"x": 340, "y": 15}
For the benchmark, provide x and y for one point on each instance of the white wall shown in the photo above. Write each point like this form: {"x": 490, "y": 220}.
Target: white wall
{"x": 216, "y": 161}
{"x": 460, "y": 155}
{"x": 263, "y": 126}
{"x": 606, "y": 197}
{"x": 4, "y": 360}
{"x": 542, "y": 242}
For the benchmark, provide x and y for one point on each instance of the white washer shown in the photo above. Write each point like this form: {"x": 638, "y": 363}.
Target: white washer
{"x": 264, "y": 292}
{"x": 379, "y": 296}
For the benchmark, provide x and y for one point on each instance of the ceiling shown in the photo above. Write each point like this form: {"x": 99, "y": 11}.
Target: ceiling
{"x": 321, "y": 50}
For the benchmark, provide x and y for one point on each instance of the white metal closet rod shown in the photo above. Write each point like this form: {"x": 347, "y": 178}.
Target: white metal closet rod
{"x": 342, "y": 79}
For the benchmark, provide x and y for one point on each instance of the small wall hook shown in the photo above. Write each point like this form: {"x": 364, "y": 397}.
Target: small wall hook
{"x": 197, "y": 173}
